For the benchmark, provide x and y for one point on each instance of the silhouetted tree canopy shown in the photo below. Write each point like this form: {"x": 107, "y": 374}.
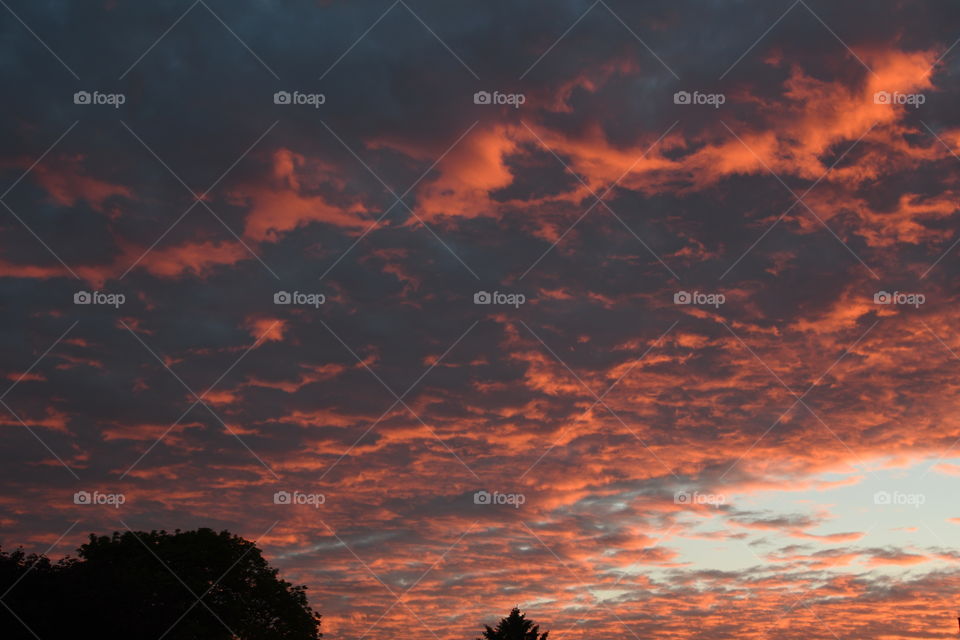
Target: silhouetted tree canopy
{"x": 514, "y": 627}
{"x": 144, "y": 585}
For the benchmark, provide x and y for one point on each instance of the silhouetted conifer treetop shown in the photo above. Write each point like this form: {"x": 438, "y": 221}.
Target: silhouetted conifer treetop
{"x": 514, "y": 627}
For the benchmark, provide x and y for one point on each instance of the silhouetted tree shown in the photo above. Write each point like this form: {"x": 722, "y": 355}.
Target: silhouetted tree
{"x": 145, "y": 585}
{"x": 28, "y": 587}
{"x": 514, "y": 627}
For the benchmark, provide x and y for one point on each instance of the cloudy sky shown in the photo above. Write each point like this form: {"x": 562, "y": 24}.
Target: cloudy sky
{"x": 640, "y": 316}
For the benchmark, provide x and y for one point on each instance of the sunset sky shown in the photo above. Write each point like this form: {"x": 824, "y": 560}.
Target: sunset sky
{"x": 715, "y": 390}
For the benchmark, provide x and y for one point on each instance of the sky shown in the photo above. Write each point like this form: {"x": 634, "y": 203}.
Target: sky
{"x": 639, "y": 316}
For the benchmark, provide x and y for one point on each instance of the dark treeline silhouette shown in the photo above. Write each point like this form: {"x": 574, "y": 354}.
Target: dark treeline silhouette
{"x": 142, "y": 585}
{"x": 146, "y": 586}
{"x": 514, "y": 627}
